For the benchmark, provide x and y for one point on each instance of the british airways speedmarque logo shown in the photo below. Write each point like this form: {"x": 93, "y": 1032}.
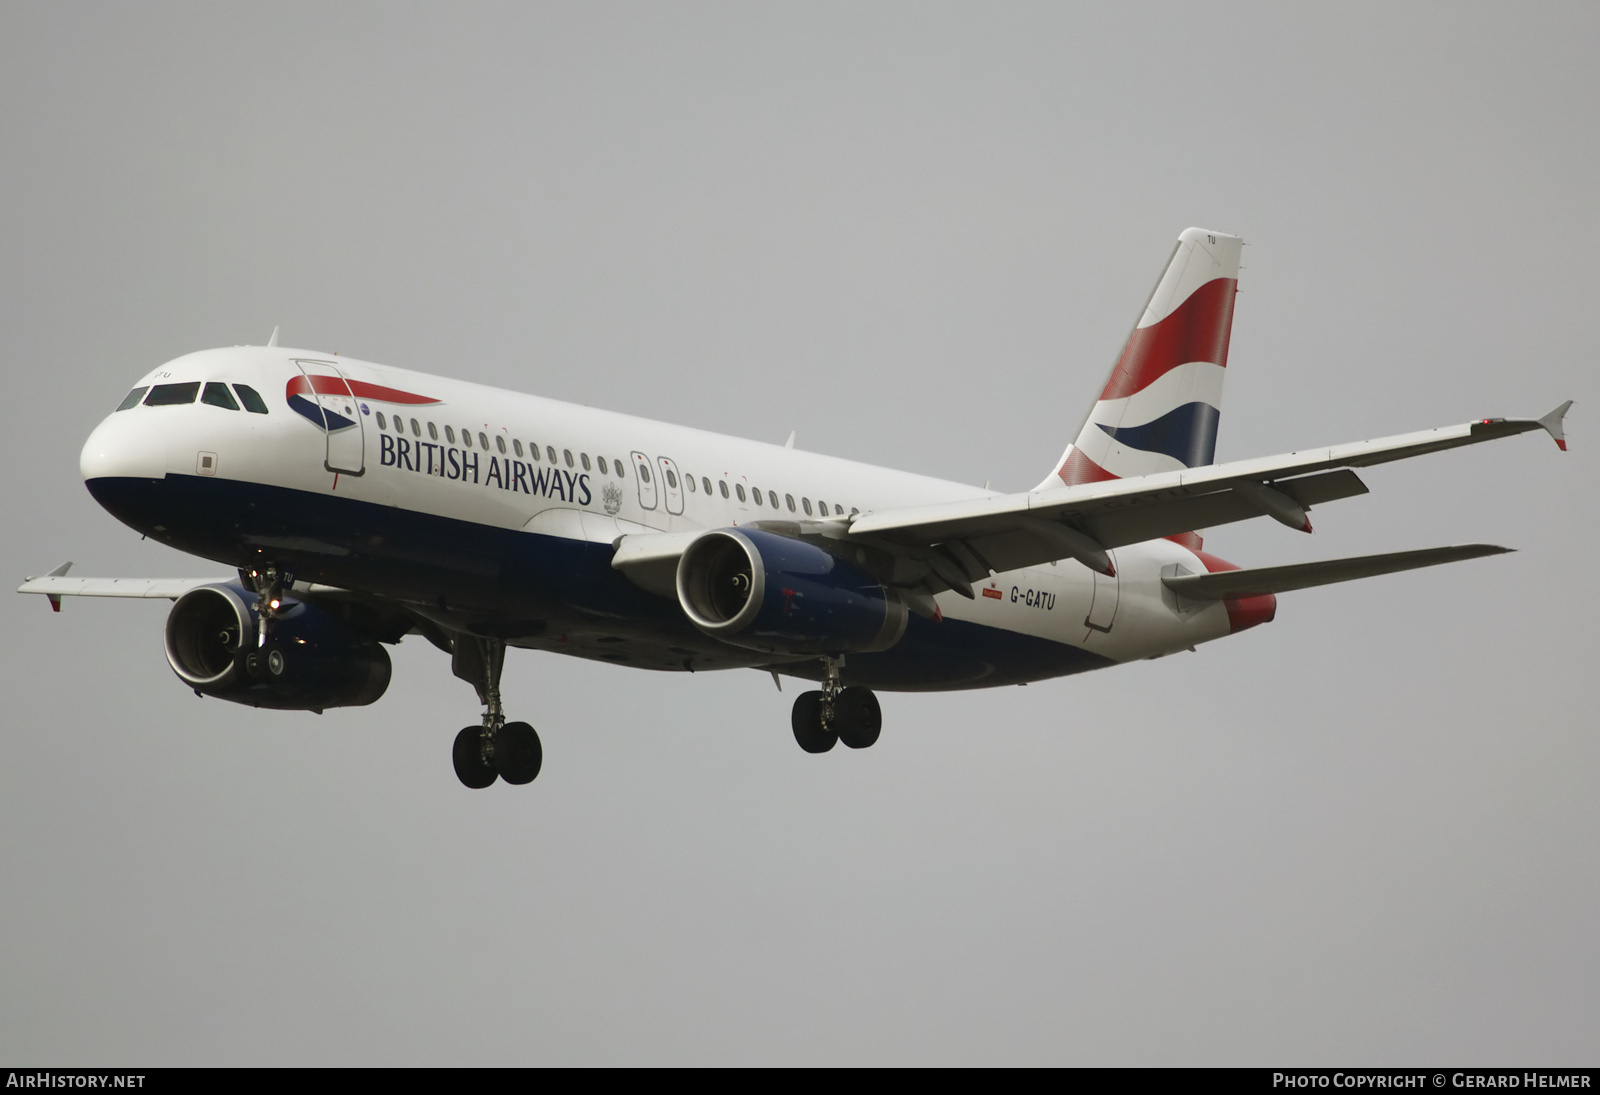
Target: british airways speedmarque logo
{"x": 326, "y": 414}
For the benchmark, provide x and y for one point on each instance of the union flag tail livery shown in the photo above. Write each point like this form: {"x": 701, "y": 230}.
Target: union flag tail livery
{"x": 357, "y": 510}
{"x": 1159, "y": 409}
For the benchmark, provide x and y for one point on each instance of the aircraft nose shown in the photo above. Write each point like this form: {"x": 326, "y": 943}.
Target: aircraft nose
{"x": 124, "y": 446}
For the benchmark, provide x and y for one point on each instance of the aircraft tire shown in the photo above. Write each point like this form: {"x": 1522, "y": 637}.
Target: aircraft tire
{"x": 806, "y": 720}
{"x": 517, "y": 753}
{"x": 858, "y": 716}
{"x": 468, "y": 757}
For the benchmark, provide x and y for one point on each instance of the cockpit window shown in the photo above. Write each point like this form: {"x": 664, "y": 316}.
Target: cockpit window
{"x": 251, "y": 399}
{"x": 171, "y": 395}
{"x": 217, "y": 395}
{"x": 132, "y": 399}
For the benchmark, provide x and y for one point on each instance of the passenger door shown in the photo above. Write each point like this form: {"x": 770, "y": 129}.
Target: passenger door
{"x": 341, "y": 417}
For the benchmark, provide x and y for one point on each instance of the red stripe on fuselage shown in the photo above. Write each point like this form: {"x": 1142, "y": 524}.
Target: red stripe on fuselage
{"x": 333, "y": 385}
{"x": 1197, "y": 330}
{"x": 387, "y": 395}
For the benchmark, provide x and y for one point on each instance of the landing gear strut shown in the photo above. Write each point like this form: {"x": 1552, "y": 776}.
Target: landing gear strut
{"x": 836, "y": 713}
{"x": 268, "y": 582}
{"x": 497, "y": 749}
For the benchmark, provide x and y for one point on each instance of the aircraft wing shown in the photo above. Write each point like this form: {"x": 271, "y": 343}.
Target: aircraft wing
{"x": 961, "y": 542}
{"x": 57, "y": 585}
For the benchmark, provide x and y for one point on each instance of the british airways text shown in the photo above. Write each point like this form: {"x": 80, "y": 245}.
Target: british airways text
{"x": 463, "y": 465}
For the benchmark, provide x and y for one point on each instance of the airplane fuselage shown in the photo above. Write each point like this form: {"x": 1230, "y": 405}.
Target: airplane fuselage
{"x": 495, "y": 513}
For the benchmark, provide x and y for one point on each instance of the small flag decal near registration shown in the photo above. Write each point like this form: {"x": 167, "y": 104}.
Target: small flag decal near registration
{"x": 995, "y": 593}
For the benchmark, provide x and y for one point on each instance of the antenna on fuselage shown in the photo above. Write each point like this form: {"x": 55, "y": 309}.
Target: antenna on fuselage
{"x": 789, "y": 444}
{"x": 273, "y": 341}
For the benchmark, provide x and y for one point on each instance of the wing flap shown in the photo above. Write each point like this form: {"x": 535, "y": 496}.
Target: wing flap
{"x": 1137, "y": 524}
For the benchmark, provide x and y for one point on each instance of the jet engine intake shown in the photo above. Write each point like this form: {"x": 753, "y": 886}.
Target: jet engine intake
{"x": 311, "y": 659}
{"x": 779, "y": 595}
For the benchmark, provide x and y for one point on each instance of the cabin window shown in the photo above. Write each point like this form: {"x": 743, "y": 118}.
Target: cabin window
{"x": 621, "y": 469}
{"x": 806, "y": 503}
{"x": 672, "y": 479}
{"x": 217, "y": 395}
{"x": 131, "y": 399}
{"x": 500, "y": 442}
{"x": 644, "y": 473}
{"x": 516, "y": 446}
{"x": 755, "y": 492}
{"x": 602, "y": 462}
{"x": 550, "y": 451}
{"x": 383, "y": 423}
{"x": 706, "y": 483}
{"x": 433, "y": 432}
{"x": 172, "y": 395}
{"x": 533, "y": 450}
{"x": 251, "y": 399}
{"x": 568, "y": 454}
{"x": 466, "y": 438}
{"x": 483, "y": 441}
{"x": 416, "y": 430}
{"x": 450, "y": 435}
{"x": 583, "y": 457}
{"x": 722, "y": 485}
{"x": 853, "y": 511}
{"x": 739, "y": 489}
{"x": 688, "y": 481}
{"x": 772, "y": 496}
{"x": 789, "y": 500}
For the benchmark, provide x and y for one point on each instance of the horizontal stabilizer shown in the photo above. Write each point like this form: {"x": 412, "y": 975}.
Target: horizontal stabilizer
{"x": 1251, "y": 583}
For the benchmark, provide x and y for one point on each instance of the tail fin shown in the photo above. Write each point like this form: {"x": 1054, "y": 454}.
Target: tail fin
{"x": 1160, "y": 406}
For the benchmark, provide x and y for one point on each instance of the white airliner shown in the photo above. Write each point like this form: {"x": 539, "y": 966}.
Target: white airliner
{"x": 361, "y": 503}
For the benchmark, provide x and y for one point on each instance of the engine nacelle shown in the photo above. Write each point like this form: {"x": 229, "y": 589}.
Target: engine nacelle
{"x": 311, "y": 659}
{"x": 771, "y": 593}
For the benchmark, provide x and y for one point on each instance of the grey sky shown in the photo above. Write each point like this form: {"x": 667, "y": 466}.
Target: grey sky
{"x": 917, "y": 234}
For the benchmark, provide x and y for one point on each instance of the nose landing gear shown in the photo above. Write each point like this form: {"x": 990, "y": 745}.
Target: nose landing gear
{"x": 497, "y": 749}
{"x": 836, "y": 713}
{"x": 268, "y": 582}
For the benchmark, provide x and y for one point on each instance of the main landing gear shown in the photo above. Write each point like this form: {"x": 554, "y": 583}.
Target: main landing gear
{"x": 836, "y": 713}
{"x": 497, "y": 749}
